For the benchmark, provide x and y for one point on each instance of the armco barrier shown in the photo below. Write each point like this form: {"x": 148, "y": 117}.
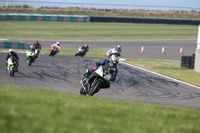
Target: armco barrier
{"x": 144, "y": 20}
{"x": 79, "y": 18}
{"x": 44, "y": 17}
{"x": 14, "y": 45}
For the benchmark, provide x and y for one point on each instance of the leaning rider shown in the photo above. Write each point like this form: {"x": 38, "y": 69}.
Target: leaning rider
{"x": 111, "y": 63}
{"x": 117, "y": 51}
{"x": 12, "y": 53}
{"x": 56, "y": 46}
{"x": 37, "y": 45}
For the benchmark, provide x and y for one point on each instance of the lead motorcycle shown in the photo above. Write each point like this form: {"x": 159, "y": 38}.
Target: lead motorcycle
{"x": 12, "y": 65}
{"x": 101, "y": 76}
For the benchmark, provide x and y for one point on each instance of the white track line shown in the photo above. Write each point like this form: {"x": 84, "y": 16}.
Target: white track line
{"x": 160, "y": 75}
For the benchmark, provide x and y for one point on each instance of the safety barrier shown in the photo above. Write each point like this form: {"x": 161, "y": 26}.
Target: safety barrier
{"x": 144, "y": 20}
{"x": 44, "y": 17}
{"x": 77, "y": 18}
{"x": 188, "y": 61}
{"x": 14, "y": 45}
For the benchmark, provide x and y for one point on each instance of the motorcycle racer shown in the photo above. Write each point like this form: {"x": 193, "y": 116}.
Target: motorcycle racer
{"x": 37, "y": 45}
{"x": 12, "y": 53}
{"x": 84, "y": 50}
{"x": 110, "y": 63}
{"x": 55, "y": 47}
{"x": 116, "y": 51}
{"x": 32, "y": 48}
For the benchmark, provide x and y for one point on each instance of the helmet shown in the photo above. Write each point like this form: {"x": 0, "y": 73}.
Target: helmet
{"x": 31, "y": 47}
{"x": 114, "y": 59}
{"x": 36, "y": 42}
{"x": 118, "y": 47}
{"x": 11, "y": 50}
{"x": 86, "y": 45}
{"x": 58, "y": 43}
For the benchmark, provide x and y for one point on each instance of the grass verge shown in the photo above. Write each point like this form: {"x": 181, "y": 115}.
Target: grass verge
{"x": 39, "y": 110}
{"x": 29, "y": 30}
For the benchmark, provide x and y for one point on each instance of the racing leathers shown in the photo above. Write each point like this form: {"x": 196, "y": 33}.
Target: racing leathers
{"x": 12, "y": 54}
{"x": 37, "y": 45}
{"x": 112, "y": 51}
{"x": 56, "y": 46}
{"x": 106, "y": 63}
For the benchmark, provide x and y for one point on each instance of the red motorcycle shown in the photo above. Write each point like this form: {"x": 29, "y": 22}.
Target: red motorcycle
{"x": 54, "y": 51}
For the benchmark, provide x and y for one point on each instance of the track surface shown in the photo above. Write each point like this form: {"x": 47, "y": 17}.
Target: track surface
{"x": 63, "y": 73}
{"x": 152, "y": 48}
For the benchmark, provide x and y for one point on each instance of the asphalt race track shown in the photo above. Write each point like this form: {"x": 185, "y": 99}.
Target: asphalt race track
{"x": 152, "y": 48}
{"x": 63, "y": 73}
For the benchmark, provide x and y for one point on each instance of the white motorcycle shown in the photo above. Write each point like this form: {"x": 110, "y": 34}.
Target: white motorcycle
{"x": 111, "y": 52}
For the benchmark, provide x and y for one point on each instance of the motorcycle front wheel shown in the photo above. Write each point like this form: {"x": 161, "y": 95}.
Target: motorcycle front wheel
{"x": 12, "y": 72}
{"x": 95, "y": 86}
{"x": 82, "y": 91}
{"x": 29, "y": 61}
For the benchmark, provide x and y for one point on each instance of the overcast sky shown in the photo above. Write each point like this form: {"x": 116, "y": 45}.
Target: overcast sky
{"x": 177, "y": 3}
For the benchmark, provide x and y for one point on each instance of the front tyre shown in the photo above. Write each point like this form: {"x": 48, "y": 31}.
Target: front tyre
{"x": 29, "y": 61}
{"x": 95, "y": 86}
{"x": 82, "y": 91}
{"x": 12, "y": 72}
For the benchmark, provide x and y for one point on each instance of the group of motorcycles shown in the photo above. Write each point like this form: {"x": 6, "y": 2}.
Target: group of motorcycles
{"x": 102, "y": 74}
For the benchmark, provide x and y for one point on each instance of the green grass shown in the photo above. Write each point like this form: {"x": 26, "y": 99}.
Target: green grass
{"x": 38, "y": 110}
{"x": 171, "y": 68}
{"x": 28, "y": 30}
{"x": 25, "y": 110}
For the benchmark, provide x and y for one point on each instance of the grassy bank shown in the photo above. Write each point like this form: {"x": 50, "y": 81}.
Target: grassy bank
{"x": 37, "y": 110}
{"x": 116, "y": 13}
{"x": 28, "y": 30}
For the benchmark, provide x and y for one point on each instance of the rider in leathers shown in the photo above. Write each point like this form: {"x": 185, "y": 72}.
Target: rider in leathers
{"x": 85, "y": 48}
{"x": 111, "y": 63}
{"x": 117, "y": 51}
{"x": 37, "y": 45}
{"x": 12, "y": 53}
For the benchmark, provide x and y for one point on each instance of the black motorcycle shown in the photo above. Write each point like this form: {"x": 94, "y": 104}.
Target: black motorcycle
{"x": 100, "y": 77}
{"x": 81, "y": 52}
